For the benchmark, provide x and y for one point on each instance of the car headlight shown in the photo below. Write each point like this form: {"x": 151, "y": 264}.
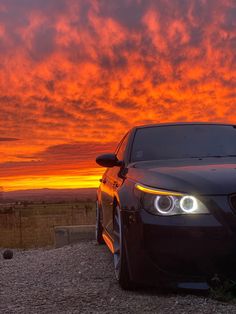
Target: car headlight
{"x": 168, "y": 203}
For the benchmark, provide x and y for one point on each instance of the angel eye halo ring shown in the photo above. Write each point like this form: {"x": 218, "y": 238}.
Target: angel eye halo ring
{"x": 188, "y": 204}
{"x": 164, "y": 204}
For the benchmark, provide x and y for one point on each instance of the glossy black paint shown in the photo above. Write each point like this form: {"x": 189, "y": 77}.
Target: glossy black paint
{"x": 178, "y": 251}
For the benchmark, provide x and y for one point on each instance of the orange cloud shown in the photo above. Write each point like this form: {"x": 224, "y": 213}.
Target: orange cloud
{"x": 86, "y": 71}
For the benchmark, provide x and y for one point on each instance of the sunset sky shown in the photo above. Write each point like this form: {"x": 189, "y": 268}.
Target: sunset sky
{"x": 75, "y": 75}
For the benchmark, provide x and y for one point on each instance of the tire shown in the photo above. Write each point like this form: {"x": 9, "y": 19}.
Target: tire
{"x": 120, "y": 258}
{"x": 99, "y": 228}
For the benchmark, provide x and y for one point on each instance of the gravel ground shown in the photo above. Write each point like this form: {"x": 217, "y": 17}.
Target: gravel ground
{"x": 80, "y": 279}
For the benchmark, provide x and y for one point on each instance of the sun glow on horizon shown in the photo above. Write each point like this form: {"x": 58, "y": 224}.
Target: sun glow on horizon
{"x": 50, "y": 182}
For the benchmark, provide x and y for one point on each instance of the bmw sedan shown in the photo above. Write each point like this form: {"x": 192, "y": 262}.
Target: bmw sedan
{"x": 166, "y": 205}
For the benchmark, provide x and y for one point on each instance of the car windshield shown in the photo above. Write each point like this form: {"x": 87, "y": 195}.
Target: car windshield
{"x": 183, "y": 141}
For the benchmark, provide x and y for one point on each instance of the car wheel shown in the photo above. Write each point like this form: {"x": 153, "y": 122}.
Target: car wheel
{"x": 99, "y": 228}
{"x": 120, "y": 258}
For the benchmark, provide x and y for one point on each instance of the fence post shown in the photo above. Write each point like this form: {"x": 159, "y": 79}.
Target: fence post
{"x": 21, "y": 238}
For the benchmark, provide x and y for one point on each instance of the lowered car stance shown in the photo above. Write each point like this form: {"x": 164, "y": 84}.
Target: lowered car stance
{"x": 166, "y": 205}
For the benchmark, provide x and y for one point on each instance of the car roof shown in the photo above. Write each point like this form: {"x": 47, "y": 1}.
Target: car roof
{"x": 182, "y": 123}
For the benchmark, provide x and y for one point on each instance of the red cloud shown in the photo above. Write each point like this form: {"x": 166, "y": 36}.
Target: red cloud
{"x": 83, "y": 71}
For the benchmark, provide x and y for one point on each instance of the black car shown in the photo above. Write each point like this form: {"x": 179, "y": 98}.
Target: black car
{"x": 166, "y": 206}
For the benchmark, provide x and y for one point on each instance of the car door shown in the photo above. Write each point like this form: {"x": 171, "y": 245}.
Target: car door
{"x": 111, "y": 181}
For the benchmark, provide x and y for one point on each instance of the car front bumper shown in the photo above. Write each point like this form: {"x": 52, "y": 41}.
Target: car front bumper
{"x": 184, "y": 251}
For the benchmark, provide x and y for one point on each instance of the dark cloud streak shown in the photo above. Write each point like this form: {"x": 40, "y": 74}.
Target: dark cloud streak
{"x": 8, "y": 139}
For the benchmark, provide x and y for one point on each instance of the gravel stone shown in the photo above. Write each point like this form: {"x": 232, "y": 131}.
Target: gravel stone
{"x": 80, "y": 279}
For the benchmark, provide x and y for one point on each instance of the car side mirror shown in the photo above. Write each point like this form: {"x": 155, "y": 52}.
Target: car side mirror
{"x": 108, "y": 161}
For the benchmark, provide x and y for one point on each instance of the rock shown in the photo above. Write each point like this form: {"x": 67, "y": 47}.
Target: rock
{"x": 7, "y": 254}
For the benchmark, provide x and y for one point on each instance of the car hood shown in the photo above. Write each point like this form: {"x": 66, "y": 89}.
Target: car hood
{"x": 201, "y": 176}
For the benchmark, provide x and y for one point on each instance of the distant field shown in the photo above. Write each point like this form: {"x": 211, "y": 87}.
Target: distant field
{"x": 32, "y": 224}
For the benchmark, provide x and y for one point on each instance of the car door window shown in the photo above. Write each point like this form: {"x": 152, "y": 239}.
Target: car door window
{"x": 120, "y": 152}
